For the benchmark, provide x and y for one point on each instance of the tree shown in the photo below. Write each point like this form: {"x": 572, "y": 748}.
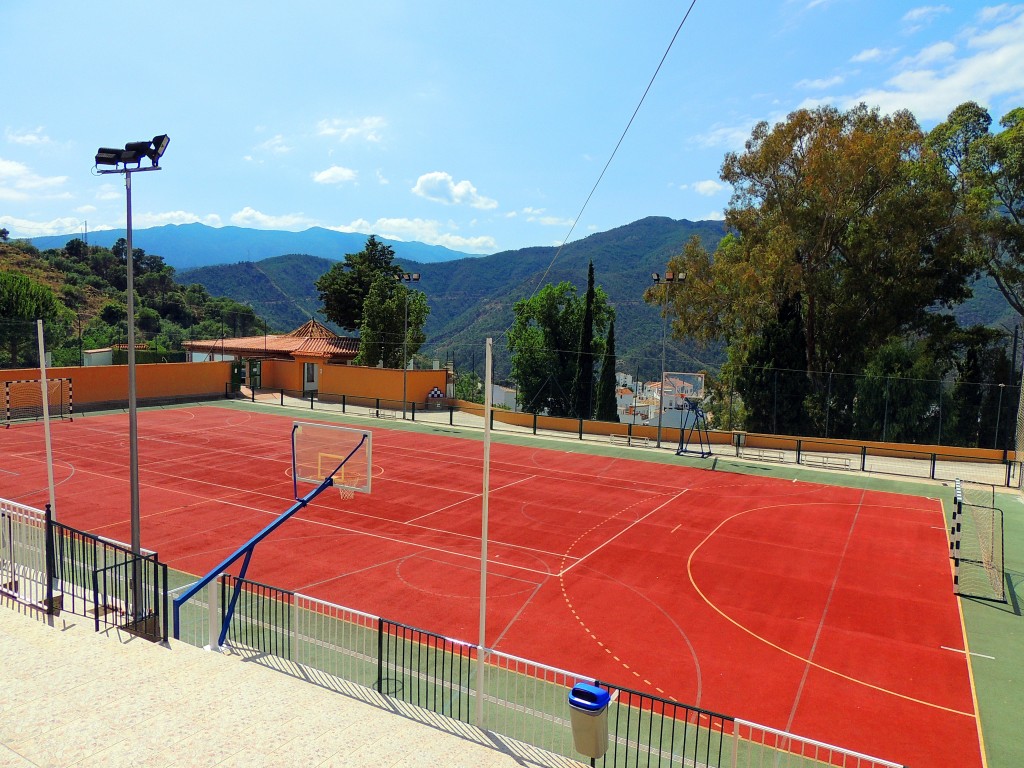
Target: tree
{"x": 897, "y": 398}
{"x": 845, "y": 213}
{"x": 607, "y": 403}
{"x": 468, "y": 387}
{"x": 4, "y": 234}
{"x": 345, "y": 286}
{"x": 22, "y": 302}
{"x": 385, "y": 336}
{"x": 543, "y": 343}
{"x": 987, "y": 173}
{"x": 771, "y": 380}
{"x": 583, "y": 381}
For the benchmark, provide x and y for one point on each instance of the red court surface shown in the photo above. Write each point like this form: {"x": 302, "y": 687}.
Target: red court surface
{"x": 821, "y": 610}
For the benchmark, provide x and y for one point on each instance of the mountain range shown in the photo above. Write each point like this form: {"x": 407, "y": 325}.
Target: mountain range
{"x": 472, "y": 298}
{"x": 186, "y": 246}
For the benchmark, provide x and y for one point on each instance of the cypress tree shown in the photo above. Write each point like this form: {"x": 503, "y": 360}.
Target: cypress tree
{"x": 607, "y": 403}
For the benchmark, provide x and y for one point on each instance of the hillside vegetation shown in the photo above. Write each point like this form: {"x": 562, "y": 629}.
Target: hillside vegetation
{"x": 90, "y": 283}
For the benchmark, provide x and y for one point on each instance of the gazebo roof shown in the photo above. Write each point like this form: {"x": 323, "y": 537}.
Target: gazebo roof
{"x": 313, "y": 330}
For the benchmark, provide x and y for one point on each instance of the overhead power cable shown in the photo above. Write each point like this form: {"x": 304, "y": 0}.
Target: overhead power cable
{"x": 617, "y": 145}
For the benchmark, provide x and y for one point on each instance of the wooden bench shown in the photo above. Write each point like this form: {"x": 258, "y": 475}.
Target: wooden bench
{"x": 629, "y": 440}
{"x": 764, "y": 454}
{"x": 829, "y": 461}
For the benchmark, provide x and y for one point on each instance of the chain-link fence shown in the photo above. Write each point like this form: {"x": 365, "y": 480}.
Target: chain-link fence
{"x": 951, "y": 411}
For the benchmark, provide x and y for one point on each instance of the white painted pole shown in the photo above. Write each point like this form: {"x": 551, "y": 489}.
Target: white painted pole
{"x": 46, "y": 417}
{"x": 483, "y": 539}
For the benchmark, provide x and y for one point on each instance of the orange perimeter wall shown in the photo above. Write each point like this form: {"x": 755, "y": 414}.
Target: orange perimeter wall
{"x": 356, "y": 381}
{"x": 109, "y": 383}
{"x": 385, "y": 383}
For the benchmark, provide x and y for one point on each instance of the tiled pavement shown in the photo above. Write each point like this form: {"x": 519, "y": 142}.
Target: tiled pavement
{"x": 69, "y": 696}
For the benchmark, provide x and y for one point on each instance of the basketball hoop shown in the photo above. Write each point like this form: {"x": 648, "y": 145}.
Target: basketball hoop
{"x": 346, "y": 493}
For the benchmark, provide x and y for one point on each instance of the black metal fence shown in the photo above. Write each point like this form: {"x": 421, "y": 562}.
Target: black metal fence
{"x": 263, "y": 615}
{"x": 651, "y": 731}
{"x": 104, "y": 580}
{"x": 424, "y": 669}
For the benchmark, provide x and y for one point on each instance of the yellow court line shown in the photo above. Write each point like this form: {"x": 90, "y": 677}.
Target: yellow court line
{"x": 970, "y": 676}
{"x": 791, "y": 654}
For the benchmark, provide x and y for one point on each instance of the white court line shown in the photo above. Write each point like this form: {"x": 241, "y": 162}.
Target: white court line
{"x": 462, "y": 501}
{"x": 416, "y": 545}
{"x": 680, "y": 525}
{"x": 613, "y": 538}
{"x": 960, "y": 650}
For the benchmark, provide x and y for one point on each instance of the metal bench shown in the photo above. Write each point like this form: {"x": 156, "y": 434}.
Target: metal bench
{"x": 764, "y": 454}
{"x": 829, "y": 461}
{"x": 629, "y": 440}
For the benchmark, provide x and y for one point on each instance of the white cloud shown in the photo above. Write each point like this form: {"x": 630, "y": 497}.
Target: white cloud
{"x": 366, "y": 128}
{"x": 381, "y": 178}
{"x": 108, "y": 191}
{"x": 868, "y": 54}
{"x": 336, "y": 174}
{"x": 29, "y": 228}
{"x": 19, "y": 182}
{"x": 820, "y": 84}
{"x": 708, "y": 187}
{"x": 174, "y": 217}
{"x": 997, "y": 13}
{"x": 249, "y": 217}
{"x": 423, "y": 230}
{"x": 717, "y": 215}
{"x": 925, "y": 13}
{"x": 33, "y": 138}
{"x": 442, "y": 188}
{"x": 534, "y": 215}
{"x": 727, "y": 136}
{"x": 936, "y": 80}
{"x": 275, "y": 145}
{"x": 932, "y": 54}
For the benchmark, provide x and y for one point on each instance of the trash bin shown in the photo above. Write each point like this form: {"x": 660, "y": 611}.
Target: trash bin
{"x": 588, "y": 713}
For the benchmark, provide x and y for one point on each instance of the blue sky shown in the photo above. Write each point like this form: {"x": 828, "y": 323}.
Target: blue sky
{"x": 478, "y": 126}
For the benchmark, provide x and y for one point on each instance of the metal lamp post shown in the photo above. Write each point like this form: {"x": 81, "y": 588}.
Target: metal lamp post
{"x": 407, "y": 277}
{"x": 669, "y": 278}
{"x": 121, "y": 161}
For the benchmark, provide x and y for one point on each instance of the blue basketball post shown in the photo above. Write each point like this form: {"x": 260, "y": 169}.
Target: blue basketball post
{"x": 247, "y": 550}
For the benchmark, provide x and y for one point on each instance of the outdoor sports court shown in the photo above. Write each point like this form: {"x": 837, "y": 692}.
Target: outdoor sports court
{"x": 821, "y": 610}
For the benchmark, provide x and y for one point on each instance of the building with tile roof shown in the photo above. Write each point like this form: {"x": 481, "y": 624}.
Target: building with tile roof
{"x": 312, "y": 341}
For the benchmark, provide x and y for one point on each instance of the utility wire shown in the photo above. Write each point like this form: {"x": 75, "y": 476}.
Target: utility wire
{"x": 615, "y": 151}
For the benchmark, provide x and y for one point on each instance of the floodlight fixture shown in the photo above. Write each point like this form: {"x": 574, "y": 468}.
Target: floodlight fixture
{"x": 157, "y": 148}
{"x": 108, "y": 156}
{"x": 133, "y": 154}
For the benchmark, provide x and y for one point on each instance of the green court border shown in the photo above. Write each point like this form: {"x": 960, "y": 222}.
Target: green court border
{"x": 995, "y": 632}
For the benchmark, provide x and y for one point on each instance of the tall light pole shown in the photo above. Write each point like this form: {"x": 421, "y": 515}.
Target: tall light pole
{"x": 406, "y": 277}
{"x": 669, "y": 278}
{"x": 120, "y": 161}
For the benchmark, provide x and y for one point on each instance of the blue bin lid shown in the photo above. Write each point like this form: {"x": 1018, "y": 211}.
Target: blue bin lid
{"x": 592, "y": 698}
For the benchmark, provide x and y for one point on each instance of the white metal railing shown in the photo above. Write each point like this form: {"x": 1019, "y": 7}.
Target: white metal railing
{"x": 758, "y": 746}
{"x": 22, "y": 552}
